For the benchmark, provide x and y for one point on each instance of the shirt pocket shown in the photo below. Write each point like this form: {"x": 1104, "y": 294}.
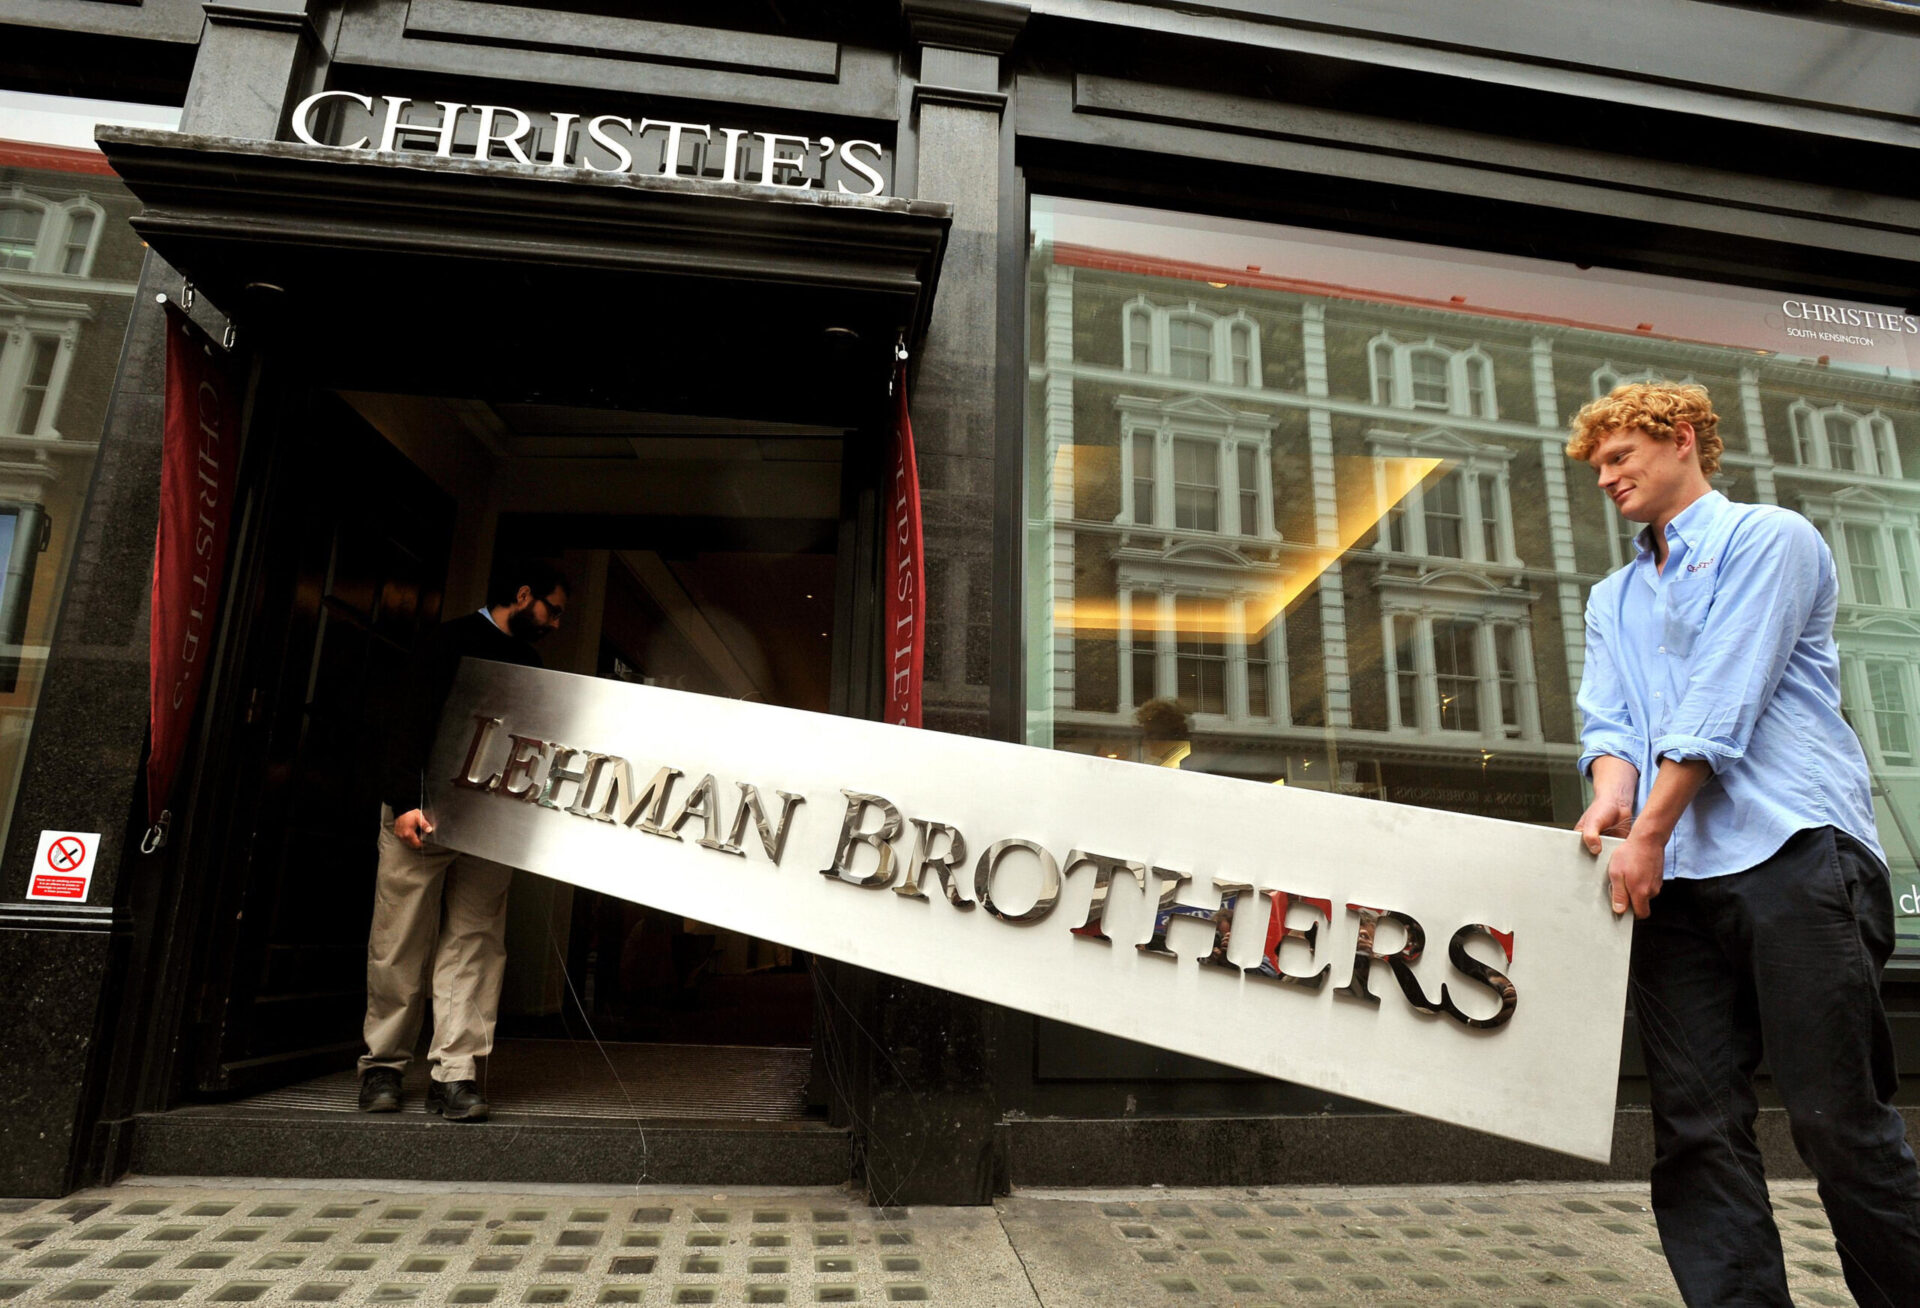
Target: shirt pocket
{"x": 1688, "y": 601}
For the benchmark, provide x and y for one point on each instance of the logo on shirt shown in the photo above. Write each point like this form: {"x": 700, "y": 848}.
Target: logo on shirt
{"x": 1701, "y": 566}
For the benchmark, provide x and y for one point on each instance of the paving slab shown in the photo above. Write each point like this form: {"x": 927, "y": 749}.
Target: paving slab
{"x": 354, "y": 1245}
{"x": 286, "y": 1242}
{"x": 1445, "y": 1247}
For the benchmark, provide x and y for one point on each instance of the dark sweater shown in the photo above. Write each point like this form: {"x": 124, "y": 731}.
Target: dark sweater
{"x": 472, "y": 636}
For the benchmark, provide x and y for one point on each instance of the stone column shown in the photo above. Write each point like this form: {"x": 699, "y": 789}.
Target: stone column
{"x": 1573, "y": 620}
{"x": 252, "y": 55}
{"x": 929, "y": 1131}
{"x": 1754, "y": 419}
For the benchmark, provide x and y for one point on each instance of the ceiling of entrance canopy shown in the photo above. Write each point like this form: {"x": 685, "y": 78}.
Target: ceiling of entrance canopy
{"x": 392, "y": 273}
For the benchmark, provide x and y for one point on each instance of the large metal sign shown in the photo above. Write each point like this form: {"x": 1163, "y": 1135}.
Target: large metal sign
{"x": 1458, "y": 967}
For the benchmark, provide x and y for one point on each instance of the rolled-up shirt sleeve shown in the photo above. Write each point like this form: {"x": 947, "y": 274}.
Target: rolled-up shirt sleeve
{"x": 1606, "y": 723}
{"x": 1760, "y": 608}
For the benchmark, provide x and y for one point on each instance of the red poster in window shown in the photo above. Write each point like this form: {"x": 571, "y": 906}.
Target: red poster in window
{"x": 906, "y": 575}
{"x": 190, "y": 546}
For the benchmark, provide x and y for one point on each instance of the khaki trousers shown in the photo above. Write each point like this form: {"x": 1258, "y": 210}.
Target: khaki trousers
{"x": 435, "y": 907}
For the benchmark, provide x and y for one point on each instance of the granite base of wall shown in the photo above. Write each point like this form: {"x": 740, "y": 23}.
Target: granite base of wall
{"x": 207, "y": 1142}
{"x": 1356, "y": 1149}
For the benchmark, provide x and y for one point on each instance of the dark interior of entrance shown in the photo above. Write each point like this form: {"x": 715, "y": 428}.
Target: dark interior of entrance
{"x": 705, "y": 555}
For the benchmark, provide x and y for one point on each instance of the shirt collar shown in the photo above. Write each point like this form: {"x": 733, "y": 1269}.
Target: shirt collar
{"x": 490, "y": 622}
{"x": 1692, "y": 522}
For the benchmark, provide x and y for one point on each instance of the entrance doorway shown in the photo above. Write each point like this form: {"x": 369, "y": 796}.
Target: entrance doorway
{"x": 705, "y": 555}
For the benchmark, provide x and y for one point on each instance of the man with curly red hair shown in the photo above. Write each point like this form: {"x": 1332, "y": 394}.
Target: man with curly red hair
{"x": 1714, "y": 740}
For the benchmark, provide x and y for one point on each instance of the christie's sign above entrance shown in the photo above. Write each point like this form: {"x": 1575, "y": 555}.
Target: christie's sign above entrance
{"x": 601, "y": 143}
{"x": 1458, "y": 967}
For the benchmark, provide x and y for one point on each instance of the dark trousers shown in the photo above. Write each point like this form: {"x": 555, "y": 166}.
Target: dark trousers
{"x": 1782, "y": 959}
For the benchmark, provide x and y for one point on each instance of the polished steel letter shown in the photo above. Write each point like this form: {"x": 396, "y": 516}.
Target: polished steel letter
{"x": 1104, "y": 866}
{"x": 850, "y": 834}
{"x": 700, "y": 803}
{"x": 656, "y": 792}
{"x": 1278, "y": 932}
{"x": 772, "y": 839}
{"x": 1400, "y": 960}
{"x": 1230, "y": 892}
{"x": 483, "y": 729}
{"x": 1468, "y": 965}
{"x": 520, "y": 763}
{"x": 1049, "y": 881}
{"x": 560, "y": 774}
{"x": 1168, "y": 909}
{"x": 942, "y": 864}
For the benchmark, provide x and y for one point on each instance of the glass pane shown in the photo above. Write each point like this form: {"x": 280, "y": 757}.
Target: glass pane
{"x": 1383, "y": 374}
{"x": 1886, "y": 688}
{"x": 1903, "y": 559}
{"x": 1242, "y": 357}
{"x": 1414, "y": 671}
{"x": 1863, "y": 557}
{"x": 1490, "y": 518}
{"x": 1196, "y": 485}
{"x": 1140, "y": 341}
{"x": 1145, "y": 608}
{"x": 1843, "y": 441}
{"x": 1429, "y": 379}
{"x": 1201, "y": 663}
{"x": 79, "y": 235}
{"x": 38, "y": 526}
{"x": 33, "y": 390}
{"x": 1441, "y": 500}
{"x": 1191, "y": 353}
{"x": 1143, "y": 480}
{"x": 1257, "y": 684}
{"x": 19, "y": 233}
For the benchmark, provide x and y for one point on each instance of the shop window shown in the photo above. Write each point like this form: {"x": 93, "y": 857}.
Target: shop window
{"x": 1427, "y": 375}
{"x": 1191, "y": 344}
{"x": 1844, "y": 439}
{"x": 1361, "y": 493}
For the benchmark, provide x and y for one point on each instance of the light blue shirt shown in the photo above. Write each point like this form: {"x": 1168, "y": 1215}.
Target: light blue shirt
{"x": 1727, "y": 655}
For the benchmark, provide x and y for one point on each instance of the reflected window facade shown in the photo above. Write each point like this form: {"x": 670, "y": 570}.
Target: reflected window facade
{"x": 69, "y": 263}
{"x": 1306, "y": 494}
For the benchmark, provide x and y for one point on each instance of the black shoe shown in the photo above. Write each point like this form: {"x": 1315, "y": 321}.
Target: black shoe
{"x": 379, "y": 1090}
{"x": 457, "y": 1101}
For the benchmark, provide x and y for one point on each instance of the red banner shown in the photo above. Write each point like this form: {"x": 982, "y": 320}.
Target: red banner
{"x": 190, "y": 547}
{"x": 906, "y": 575}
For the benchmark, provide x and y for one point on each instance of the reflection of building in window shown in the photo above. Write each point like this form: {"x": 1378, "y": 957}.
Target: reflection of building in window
{"x": 37, "y": 342}
{"x": 1192, "y": 465}
{"x": 1428, "y": 375}
{"x": 1609, "y": 375}
{"x": 1890, "y": 698}
{"x": 1459, "y": 657}
{"x": 1461, "y": 510}
{"x": 41, "y": 235}
{"x": 1875, "y": 544}
{"x": 1844, "y": 439}
{"x": 1191, "y": 344}
{"x": 1198, "y": 648}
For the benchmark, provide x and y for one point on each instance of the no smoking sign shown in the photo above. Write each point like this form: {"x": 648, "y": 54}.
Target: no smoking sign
{"x": 63, "y": 867}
